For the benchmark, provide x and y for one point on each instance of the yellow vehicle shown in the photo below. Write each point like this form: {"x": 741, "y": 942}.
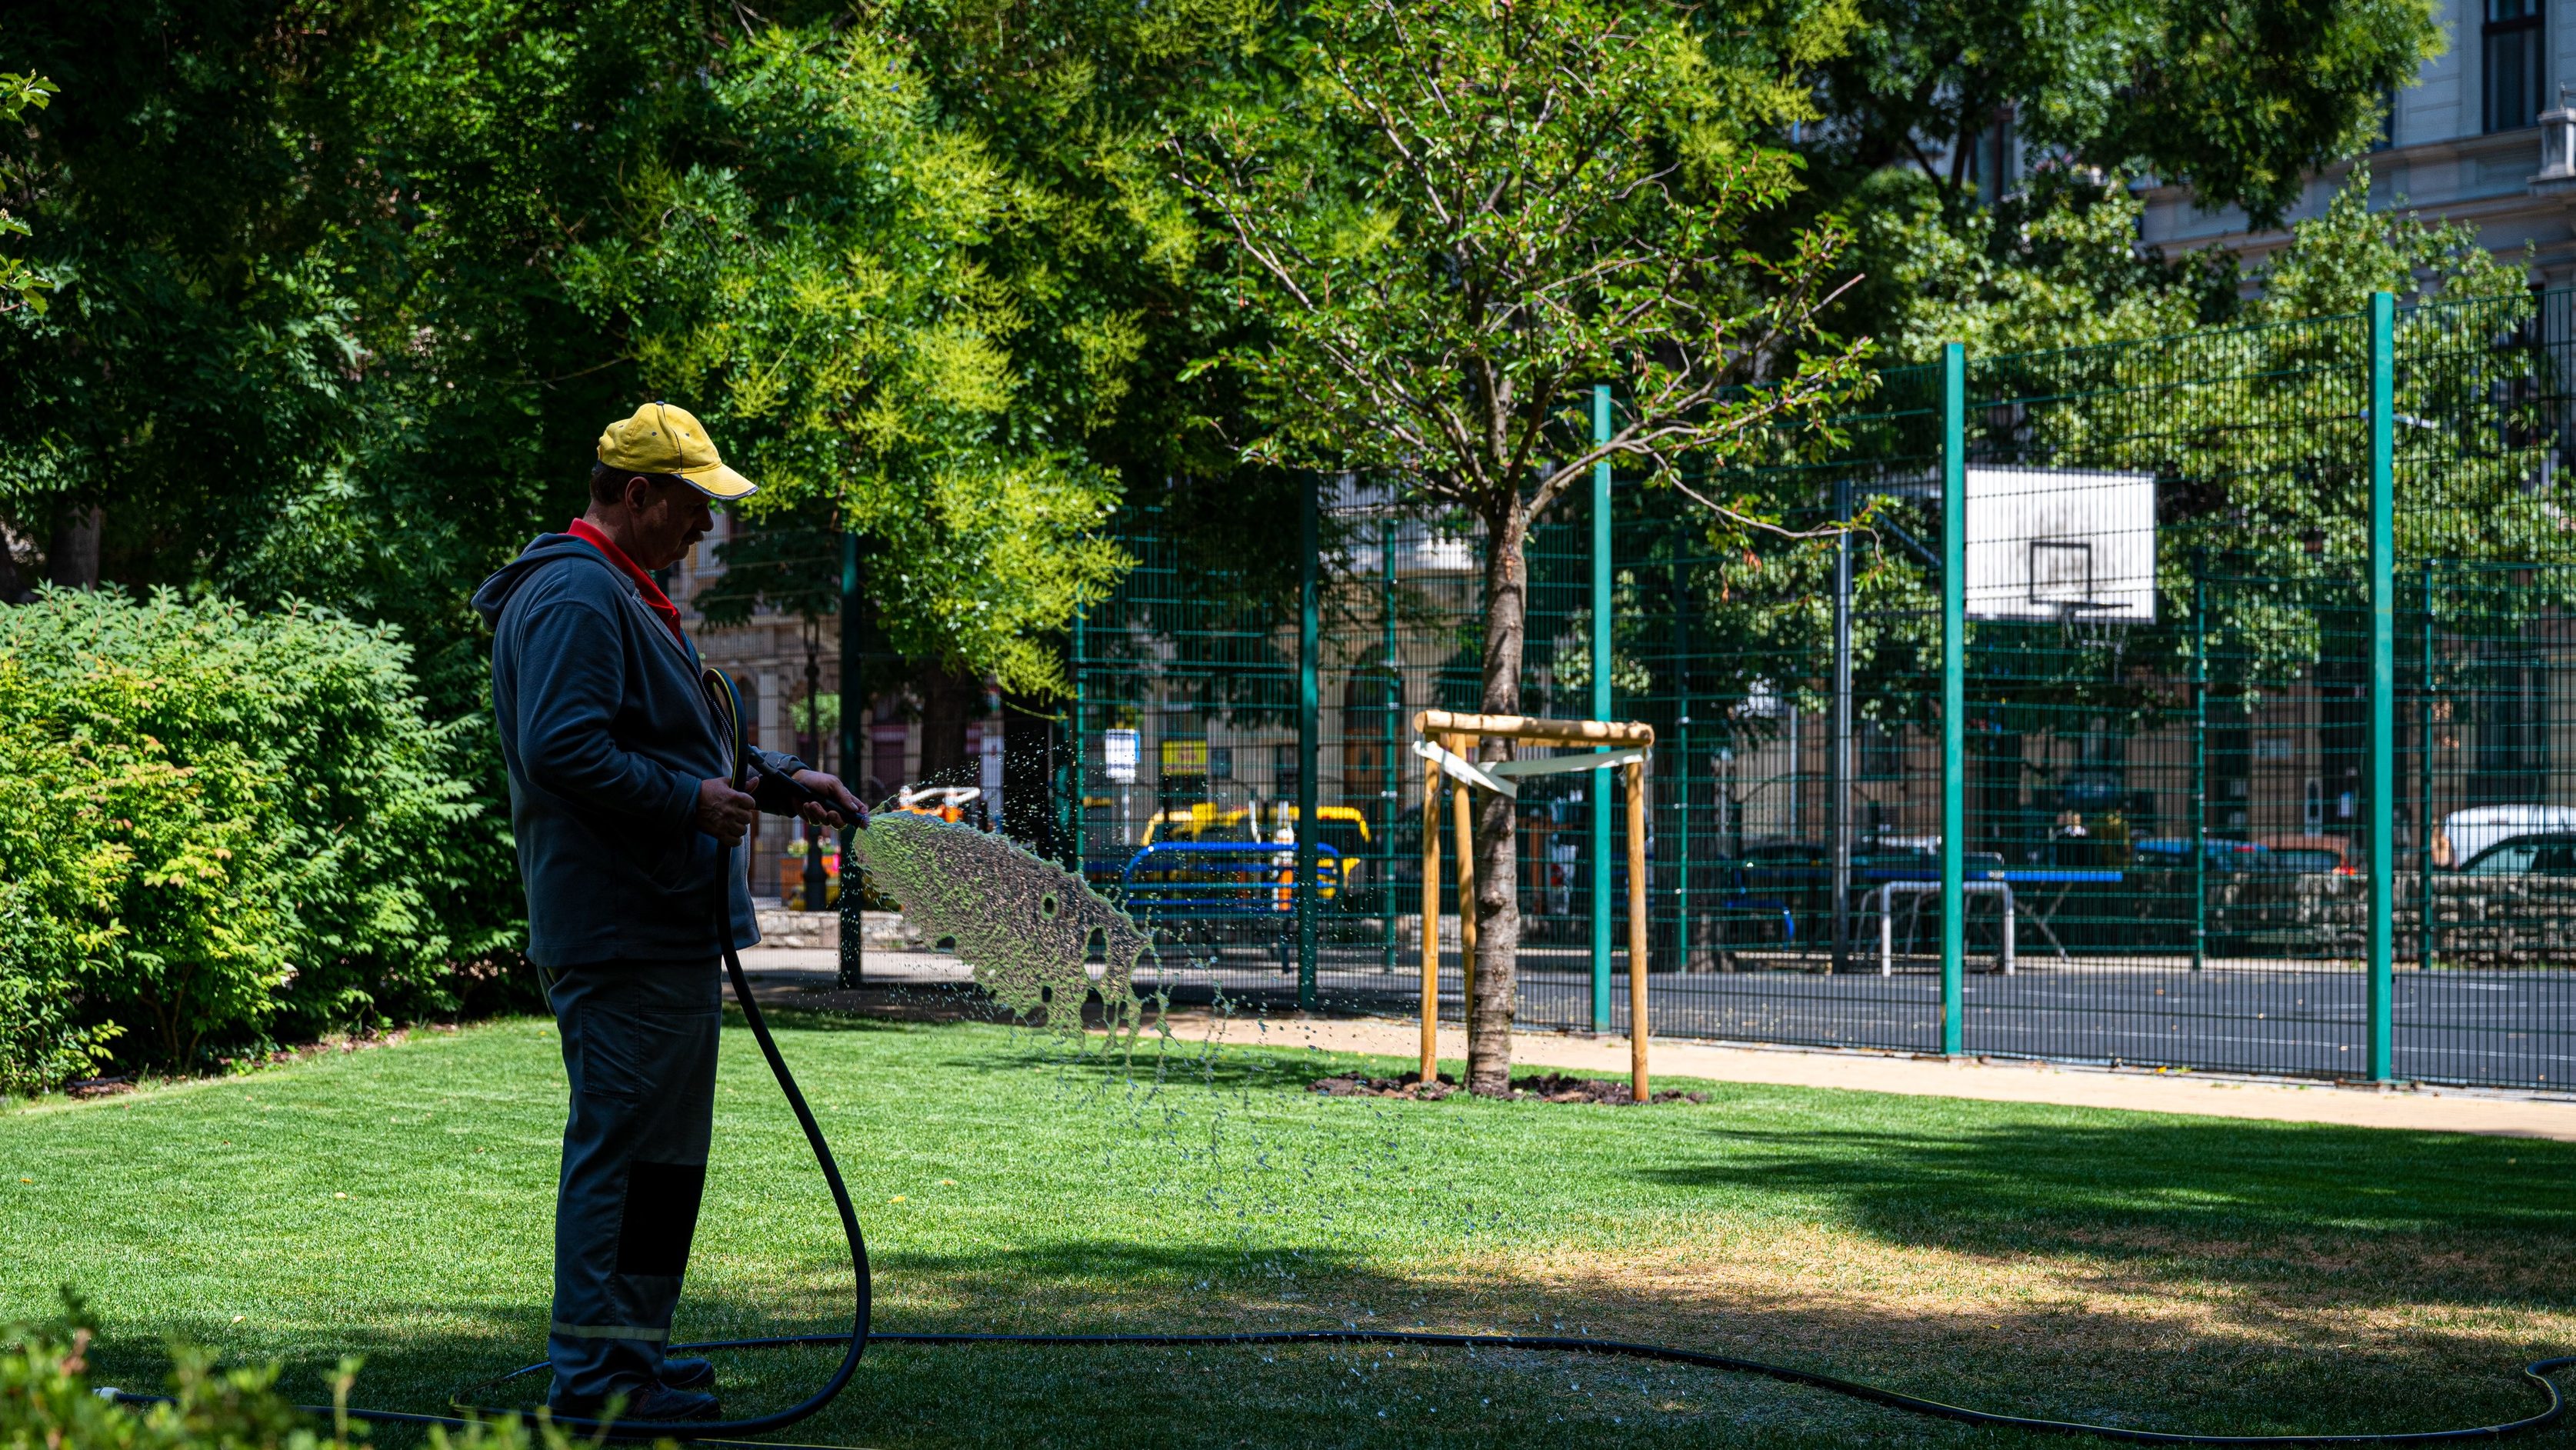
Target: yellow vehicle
{"x": 1204, "y": 821}
{"x": 1343, "y": 828}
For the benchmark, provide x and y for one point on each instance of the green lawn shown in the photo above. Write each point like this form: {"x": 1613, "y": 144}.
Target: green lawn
{"x": 2187, "y": 1273}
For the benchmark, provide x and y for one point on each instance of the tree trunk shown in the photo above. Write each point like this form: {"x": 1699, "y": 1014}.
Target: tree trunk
{"x": 1498, "y": 909}
{"x": 1031, "y": 745}
{"x": 948, "y": 700}
{"x": 71, "y": 560}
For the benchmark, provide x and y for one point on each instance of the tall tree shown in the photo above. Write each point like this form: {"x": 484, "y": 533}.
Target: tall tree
{"x": 348, "y": 288}
{"x": 1457, "y": 220}
{"x": 2242, "y": 98}
{"x": 345, "y": 304}
{"x": 187, "y": 196}
{"x": 820, "y": 293}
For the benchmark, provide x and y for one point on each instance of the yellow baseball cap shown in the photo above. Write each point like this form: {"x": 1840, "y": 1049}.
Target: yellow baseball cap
{"x": 664, "y": 439}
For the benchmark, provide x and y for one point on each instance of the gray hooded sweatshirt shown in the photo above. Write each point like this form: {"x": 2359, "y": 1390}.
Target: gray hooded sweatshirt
{"x": 606, "y": 733}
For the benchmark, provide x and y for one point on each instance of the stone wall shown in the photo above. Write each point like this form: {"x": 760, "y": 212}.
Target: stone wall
{"x": 2479, "y": 921}
{"x": 883, "y": 931}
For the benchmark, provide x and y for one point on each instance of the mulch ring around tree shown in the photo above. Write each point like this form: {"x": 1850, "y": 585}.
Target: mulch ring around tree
{"x": 1545, "y": 1087}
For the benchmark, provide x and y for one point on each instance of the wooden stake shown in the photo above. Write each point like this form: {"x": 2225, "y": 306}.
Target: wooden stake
{"x": 1637, "y": 1024}
{"x": 1430, "y": 921}
{"x": 1462, "y": 805}
{"x": 1430, "y": 723}
{"x": 1459, "y": 735}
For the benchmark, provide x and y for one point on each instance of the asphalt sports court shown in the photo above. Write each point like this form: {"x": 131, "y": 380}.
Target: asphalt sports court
{"x": 2508, "y": 1028}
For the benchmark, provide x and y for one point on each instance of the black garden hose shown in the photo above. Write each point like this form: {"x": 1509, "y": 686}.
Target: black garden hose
{"x": 730, "y": 1434}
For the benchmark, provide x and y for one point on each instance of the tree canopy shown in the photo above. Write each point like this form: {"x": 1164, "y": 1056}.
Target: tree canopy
{"x": 348, "y": 291}
{"x": 2243, "y": 99}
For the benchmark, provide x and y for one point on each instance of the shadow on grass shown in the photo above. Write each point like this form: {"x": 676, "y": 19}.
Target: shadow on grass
{"x": 2180, "y": 1180}
{"x": 2206, "y": 1375}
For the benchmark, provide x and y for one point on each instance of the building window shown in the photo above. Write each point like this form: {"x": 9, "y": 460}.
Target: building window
{"x": 2513, "y": 53}
{"x": 1992, "y": 154}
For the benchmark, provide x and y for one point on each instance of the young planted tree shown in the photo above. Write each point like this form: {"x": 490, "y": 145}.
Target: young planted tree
{"x": 1456, "y": 220}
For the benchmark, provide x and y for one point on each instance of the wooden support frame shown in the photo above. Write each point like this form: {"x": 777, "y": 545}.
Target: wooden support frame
{"x": 1460, "y": 734}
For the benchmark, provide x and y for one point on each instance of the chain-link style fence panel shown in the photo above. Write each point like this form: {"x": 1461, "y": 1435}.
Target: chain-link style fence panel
{"x": 2169, "y": 799}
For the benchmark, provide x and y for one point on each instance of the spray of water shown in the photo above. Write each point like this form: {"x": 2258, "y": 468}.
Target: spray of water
{"x": 1200, "y": 1127}
{"x": 1027, "y": 926}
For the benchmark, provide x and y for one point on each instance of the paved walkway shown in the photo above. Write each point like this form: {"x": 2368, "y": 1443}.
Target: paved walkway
{"x": 2013, "y": 1082}
{"x": 803, "y": 977}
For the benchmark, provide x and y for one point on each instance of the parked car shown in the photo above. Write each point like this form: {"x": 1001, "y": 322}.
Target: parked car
{"x": 2550, "y": 853}
{"x": 2307, "y": 855}
{"x": 2465, "y": 835}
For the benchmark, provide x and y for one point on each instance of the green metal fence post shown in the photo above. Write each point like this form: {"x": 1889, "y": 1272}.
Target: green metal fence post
{"x": 2199, "y": 763}
{"x": 1680, "y": 758}
{"x": 1393, "y": 729}
{"x": 1603, "y": 782}
{"x": 1954, "y": 692}
{"x": 1838, "y": 755}
{"x": 1309, "y": 705}
{"x": 1075, "y": 746}
{"x": 2383, "y": 675}
{"x": 2424, "y": 790}
{"x": 854, "y": 947}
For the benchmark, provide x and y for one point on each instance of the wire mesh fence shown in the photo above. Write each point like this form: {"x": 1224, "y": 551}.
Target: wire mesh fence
{"x": 2170, "y": 814}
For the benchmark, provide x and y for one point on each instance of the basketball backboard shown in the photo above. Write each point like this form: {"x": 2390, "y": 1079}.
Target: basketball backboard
{"x": 2061, "y": 545}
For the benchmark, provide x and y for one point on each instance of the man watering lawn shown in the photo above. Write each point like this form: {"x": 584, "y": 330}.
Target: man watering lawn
{"x": 626, "y": 822}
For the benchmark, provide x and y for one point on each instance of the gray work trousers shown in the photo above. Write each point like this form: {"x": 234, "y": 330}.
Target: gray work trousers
{"x": 639, "y": 1045}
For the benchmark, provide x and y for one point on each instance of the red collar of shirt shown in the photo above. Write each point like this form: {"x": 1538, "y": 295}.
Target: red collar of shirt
{"x": 654, "y": 598}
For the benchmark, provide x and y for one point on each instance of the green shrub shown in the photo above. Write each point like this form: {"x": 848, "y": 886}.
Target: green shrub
{"x": 216, "y": 825}
{"x": 47, "y": 1399}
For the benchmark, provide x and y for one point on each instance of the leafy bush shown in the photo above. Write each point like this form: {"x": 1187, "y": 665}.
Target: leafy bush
{"x": 46, "y": 1398}
{"x": 215, "y": 825}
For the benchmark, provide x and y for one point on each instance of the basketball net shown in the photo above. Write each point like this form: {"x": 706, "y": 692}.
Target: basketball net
{"x": 2095, "y": 627}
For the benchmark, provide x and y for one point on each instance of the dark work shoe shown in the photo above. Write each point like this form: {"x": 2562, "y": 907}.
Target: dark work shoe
{"x": 688, "y": 1374}
{"x": 653, "y": 1404}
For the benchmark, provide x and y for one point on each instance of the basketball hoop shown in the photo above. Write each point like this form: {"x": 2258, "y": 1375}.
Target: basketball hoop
{"x": 2096, "y": 627}
{"x": 2073, "y": 547}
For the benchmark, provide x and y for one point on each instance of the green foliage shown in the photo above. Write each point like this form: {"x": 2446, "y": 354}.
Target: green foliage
{"x": 1074, "y": 97}
{"x": 2057, "y": 266}
{"x": 19, "y": 94}
{"x": 2291, "y": 491}
{"x": 214, "y": 823}
{"x": 2242, "y": 98}
{"x": 2062, "y": 269}
{"x": 349, "y": 299}
{"x": 191, "y": 201}
{"x": 2254, "y": 428}
{"x": 1457, "y": 220}
{"x": 47, "y": 1398}
{"x": 822, "y": 303}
